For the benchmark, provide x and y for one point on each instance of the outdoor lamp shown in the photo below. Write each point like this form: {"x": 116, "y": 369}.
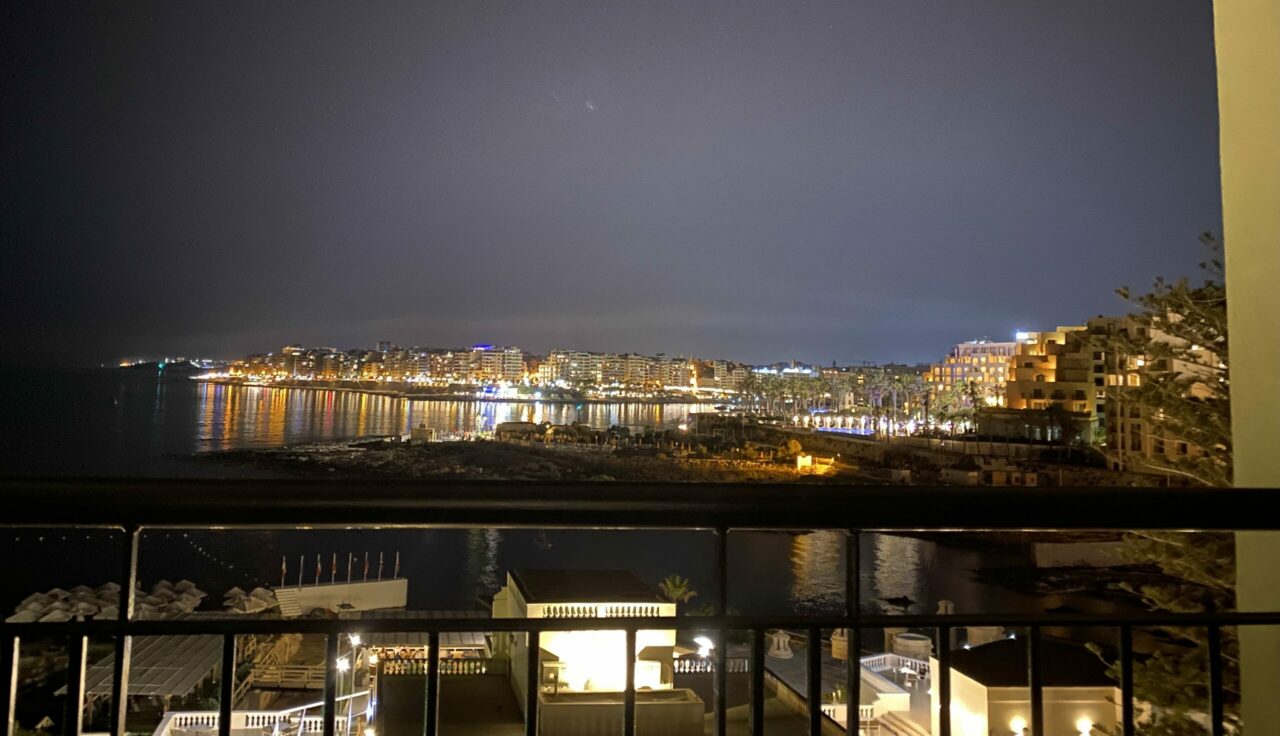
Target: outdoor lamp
{"x": 355, "y": 640}
{"x": 705, "y": 645}
{"x": 343, "y": 664}
{"x": 370, "y": 732}
{"x": 1084, "y": 726}
{"x": 372, "y": 658}
{"x": 1018, "y": 724}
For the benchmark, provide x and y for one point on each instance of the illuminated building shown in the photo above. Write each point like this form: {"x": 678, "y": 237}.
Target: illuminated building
{"x": 990, "y": 693}
{"x": 579, "y": 668}
{"x": 1057, "y": 368}
{"x": 572, "y": 367}
{"x": 497, "y": 364}
{"x": 983, "y": 363}
{"x": 1133, "y": 441}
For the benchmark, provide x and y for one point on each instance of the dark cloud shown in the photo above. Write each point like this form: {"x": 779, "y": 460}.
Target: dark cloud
{"x": 754, "y": 180}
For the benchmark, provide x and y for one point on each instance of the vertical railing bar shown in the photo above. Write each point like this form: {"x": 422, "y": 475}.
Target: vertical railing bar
{"x": 814, "y": 661}
{"x": 722, "y": 648}
{"x": 1035, "y": 675}
{"x": 227, "y": 686}
{"x": 722, "y": 571}
{"x": 722, "y": 682}
{"x": 853, "y": 632}
{"x": 10, "y": 653}
{"x": 629, "y": 694}
{"x": 1129, "y": 728}
{"x": 124, "y": 642}
{"x": 757, "y": 682}
{"x": 73, "y": 718}
{"x": 532, "y": 685}
{"x": 1217, "y": 725}
{"x": 853, "y": 686}
{"x": 330, "y": 709}
{"x": 943, "y": 682}
{"x": 433, "y": 683}
{"x": 852, "y": 576}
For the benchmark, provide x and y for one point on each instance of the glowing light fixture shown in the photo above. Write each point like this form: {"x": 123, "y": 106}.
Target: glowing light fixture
{"x": 705, "y": 645}
{"x": 355, "y": 640}
{"x": 343, "y": 664}
{"x": 1018, "y": 725}
{"x": 1084, "y": 726}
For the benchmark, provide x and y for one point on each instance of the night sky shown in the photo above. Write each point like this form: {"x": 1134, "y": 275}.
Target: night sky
{"x": 749, "y": 180}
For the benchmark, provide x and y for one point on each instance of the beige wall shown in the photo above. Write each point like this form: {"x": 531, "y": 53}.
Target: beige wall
{"x": 1063, "y": 707}
{"x": 1247, "y": 36}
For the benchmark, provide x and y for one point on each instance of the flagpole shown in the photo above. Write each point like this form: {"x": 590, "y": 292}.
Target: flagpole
{"x": 333, "y": 569}
{"x": 379, "y": 565}
{"x": 302, "y": 565}
{"x": 284, "y": 569}
{"x": 366, "y": 566}
{"x": 318, "y": 569}
{"x": 350, "y": 556}
{"x": 397, "y": 565}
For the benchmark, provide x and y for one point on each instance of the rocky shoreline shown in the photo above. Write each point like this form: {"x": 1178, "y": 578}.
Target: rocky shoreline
{"x": 489, "y": 460}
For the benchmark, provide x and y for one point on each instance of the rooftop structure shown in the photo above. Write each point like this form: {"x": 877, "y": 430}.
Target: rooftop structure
{"x": 582, "y": 586}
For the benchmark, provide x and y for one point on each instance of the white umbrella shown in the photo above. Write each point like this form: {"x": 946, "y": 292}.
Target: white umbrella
{"x": 83, "y": 609}
{"x": 23, "y": 617}
{"x": 184, "y": 584}
{"x": 55, "y": 617}
{"x": 108, "y": 588}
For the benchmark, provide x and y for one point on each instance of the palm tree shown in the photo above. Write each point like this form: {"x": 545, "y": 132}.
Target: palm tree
{"x": 676, "y": 589}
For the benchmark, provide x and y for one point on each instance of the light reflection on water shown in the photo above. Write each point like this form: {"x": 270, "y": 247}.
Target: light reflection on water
{"x": 231, "y": 417}
{"x": 817, "y": 570}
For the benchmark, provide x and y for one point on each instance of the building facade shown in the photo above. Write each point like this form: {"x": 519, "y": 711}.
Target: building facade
{"x": 981, "y": 363}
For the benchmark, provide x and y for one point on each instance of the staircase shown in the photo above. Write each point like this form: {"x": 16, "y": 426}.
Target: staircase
{"x": 895, "y": 724}
{"x": 288, "y": 600}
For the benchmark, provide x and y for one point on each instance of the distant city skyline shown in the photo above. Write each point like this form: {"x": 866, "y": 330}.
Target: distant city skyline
{"x": 843, "y": 180}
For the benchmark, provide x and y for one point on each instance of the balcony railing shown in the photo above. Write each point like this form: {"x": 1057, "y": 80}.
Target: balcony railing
{"x": 135, "y": 506}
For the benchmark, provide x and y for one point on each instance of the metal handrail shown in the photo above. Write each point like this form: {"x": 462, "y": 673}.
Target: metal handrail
{"x": 389, "y": 504}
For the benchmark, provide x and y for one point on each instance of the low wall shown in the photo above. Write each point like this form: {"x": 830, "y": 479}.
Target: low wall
{"x": 1094, "y": 554}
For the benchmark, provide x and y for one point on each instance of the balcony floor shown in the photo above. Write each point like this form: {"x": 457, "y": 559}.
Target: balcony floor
{"x": 478, "y": 705}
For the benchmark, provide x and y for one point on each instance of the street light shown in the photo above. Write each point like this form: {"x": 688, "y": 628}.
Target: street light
{"x": 343, "y": 664}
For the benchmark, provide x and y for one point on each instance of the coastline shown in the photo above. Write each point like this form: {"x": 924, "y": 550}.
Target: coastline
{"x": 414, "y": 396}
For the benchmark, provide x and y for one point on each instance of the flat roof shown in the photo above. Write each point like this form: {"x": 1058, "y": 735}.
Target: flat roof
{"x": 159, "y": 666}
{"x": 582, "y": 586}
{"x": 1004, "y": 664}
{"x": 448, "y": 639}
